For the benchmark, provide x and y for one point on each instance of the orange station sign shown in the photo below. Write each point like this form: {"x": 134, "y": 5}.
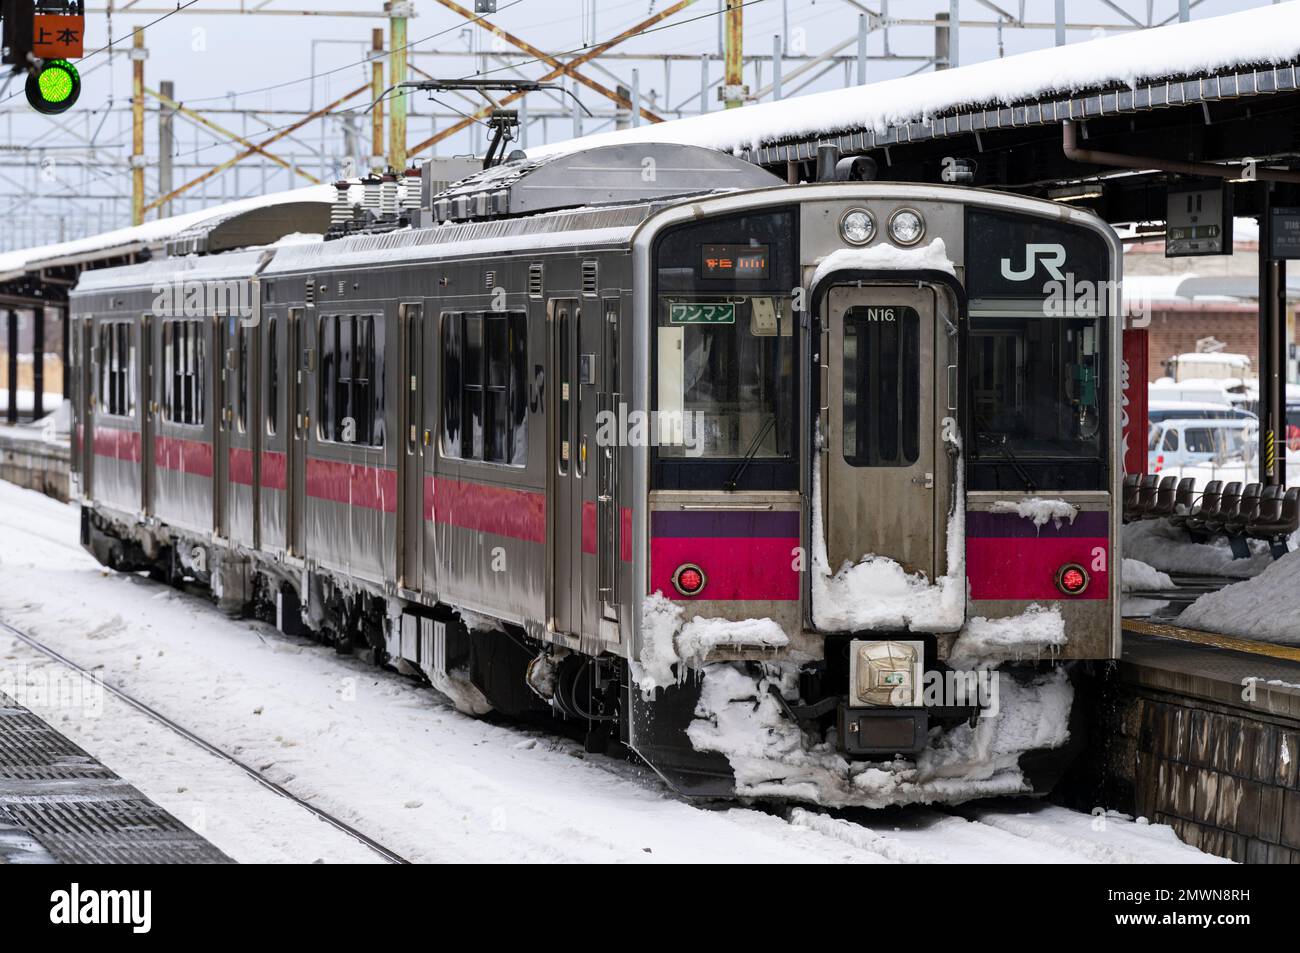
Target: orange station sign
{"x": 58, "y": 37}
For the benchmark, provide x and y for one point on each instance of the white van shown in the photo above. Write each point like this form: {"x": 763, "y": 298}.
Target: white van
{"x": 1178, "y": 442}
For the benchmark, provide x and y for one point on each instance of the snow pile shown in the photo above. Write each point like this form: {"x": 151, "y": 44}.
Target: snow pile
{"x": 1266, "y": 607}
{"x": 660, "y": 620}
{"x": 1137, "y": 576}
{"x": 878, "y": 593}
{"x": 983, "y": 643}
{"x": 700, "y": 636}
{"x": 886, "y": 257}
{"x": 666, "y": 642}
{"x": 460, "y": 691}
{"x": 737, "y": 717}
{"x": 1038, "y": 510}
{"x": 1160, "y": 544}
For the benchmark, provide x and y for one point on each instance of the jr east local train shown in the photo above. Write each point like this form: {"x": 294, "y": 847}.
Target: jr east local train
{"x": 745, "y": 476}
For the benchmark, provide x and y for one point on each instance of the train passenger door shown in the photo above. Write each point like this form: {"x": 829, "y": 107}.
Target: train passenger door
{"x": 298, "y": 419}
{"x": 87, "y": 366}
{"x": 148, "y": 414}
{"x": 410, "y": 522}
{"x": 224, "y": 385}
{"x": 878, "y": 468}
{"x": 608, "y": 523}
{"x": 566, "y": 518}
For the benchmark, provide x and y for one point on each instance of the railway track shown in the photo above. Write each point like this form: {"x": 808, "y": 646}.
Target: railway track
{"x": 216, "y": 751}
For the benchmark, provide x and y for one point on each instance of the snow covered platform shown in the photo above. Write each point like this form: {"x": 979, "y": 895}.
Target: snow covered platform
{"x": 35, "y": 458}
{"x": 60, "y": 805}
{"x": 1202, "y": 732}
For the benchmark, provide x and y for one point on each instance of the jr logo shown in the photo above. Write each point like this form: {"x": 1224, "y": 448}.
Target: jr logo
{"x": 1051, "y": 255}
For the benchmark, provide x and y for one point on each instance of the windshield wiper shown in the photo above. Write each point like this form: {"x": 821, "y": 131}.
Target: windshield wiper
{"x": 1001, "y": 441}
{"x": 736, "y": 474}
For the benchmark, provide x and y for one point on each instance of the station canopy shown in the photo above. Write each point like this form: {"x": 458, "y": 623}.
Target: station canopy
{"x": 1218, "y": 90}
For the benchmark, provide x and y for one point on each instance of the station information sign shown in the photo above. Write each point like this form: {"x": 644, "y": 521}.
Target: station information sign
{"x": 1284, "y": 233}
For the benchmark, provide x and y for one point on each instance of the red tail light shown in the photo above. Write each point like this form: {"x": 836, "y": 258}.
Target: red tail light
{"x": 689, "y": 579}
{"x": 1072, "y": 579}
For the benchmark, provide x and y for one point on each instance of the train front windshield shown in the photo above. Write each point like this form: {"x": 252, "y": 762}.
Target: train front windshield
{"x": 725, "y": 354}
{"x": 1035, "y": 354}
{"x": 1036, "y": 387}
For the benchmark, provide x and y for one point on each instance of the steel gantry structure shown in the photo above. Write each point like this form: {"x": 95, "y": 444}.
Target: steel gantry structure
{"x": 71, "y": 177}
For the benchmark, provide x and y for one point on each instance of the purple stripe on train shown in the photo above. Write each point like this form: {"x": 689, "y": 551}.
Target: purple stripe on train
{"x": 731, "y": 523}
{"x": 1009, "y": 525}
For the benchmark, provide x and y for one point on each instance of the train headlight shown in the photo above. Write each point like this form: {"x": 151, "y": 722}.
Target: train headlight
{"x": 885, "y": 673}
{"x": 857, "y": 227}
{"x": 689, "y": 579}
{"x": 906, "y": 226}
{"x": 1072, "y": 579}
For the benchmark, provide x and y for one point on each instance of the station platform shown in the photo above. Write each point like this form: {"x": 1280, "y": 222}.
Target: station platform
{"x": 58, "y": 805}
{"x": 36, "y": 460}
{"x": 1202, "y": 732}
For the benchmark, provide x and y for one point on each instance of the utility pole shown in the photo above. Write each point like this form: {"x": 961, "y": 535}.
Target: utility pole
{"x": 376, "y": 96}
{"x": 399, "y": 11}
{"x": 941, "y": 33}
{"x": 733, "y": 91}
{"x": 165, "y": 146}
{"x": 138, "y": 54}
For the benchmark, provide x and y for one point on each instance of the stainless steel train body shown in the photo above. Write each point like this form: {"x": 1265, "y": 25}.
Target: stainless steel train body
{"x": 479, "y": 450}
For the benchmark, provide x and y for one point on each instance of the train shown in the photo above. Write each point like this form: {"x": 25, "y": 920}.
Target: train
{"x": 792, "y": 489}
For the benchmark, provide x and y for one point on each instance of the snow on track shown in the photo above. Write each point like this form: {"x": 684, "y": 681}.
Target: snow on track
{"x": 393, "y": 759}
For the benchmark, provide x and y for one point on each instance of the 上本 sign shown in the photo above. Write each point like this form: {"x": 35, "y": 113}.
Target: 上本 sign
{"x": 58, "y": 37}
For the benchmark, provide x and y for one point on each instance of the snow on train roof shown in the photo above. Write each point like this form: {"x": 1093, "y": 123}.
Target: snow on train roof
{"x": 150, "y": 234}
{"x": 1266, "y": 36}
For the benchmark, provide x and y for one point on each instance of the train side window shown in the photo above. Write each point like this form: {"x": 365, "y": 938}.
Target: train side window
{"x": 471, "y": 422}
{"x": 484, "y": 387}
{"x": 272, "y": 376}
{"x": 117, "y": 369}
{"x": 183, "y": 372}
{"x": 451, "y": 384}
{"x": 241, "y": 346}
{"x": 882, "y": 388}
{"x": 350, "y": 381}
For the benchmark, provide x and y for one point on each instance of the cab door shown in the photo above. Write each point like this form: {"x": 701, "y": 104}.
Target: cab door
{"x": 879, "y": 485}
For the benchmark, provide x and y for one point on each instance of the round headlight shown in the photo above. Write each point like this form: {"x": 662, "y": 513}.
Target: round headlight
{"x": 857, "y": 227}
{"x": 906, "y": 226}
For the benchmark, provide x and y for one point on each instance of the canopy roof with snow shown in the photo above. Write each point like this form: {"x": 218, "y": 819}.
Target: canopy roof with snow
{"x": 252, "y": 221}
{"x": 1213, "y": 59}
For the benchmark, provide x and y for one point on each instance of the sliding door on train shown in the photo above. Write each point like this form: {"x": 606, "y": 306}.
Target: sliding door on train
{"x": 411, "y": 457}
{"x": 237, "y": 434}
{"x": 878, "y": 477}
{"x": 574, "y": 472}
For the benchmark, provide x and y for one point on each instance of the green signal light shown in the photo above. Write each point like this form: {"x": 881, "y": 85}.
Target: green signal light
{"x": 54, "y": 87}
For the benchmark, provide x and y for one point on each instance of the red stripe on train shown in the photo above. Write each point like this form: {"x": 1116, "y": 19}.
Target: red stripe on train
{"x": 353, "y": 484}
{"x": 185, "y": 456}
{"x": 275, "y": 475}
{"x": 1025, "y": 567}
{"x": 117, "y": 444}
{"x": 500, "y": 510}
{"x": 239, "y": 463}
{"x": 756, "y": 567}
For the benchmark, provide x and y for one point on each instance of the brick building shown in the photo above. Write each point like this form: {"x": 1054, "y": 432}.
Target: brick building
{"x": 1201, "y": 303}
